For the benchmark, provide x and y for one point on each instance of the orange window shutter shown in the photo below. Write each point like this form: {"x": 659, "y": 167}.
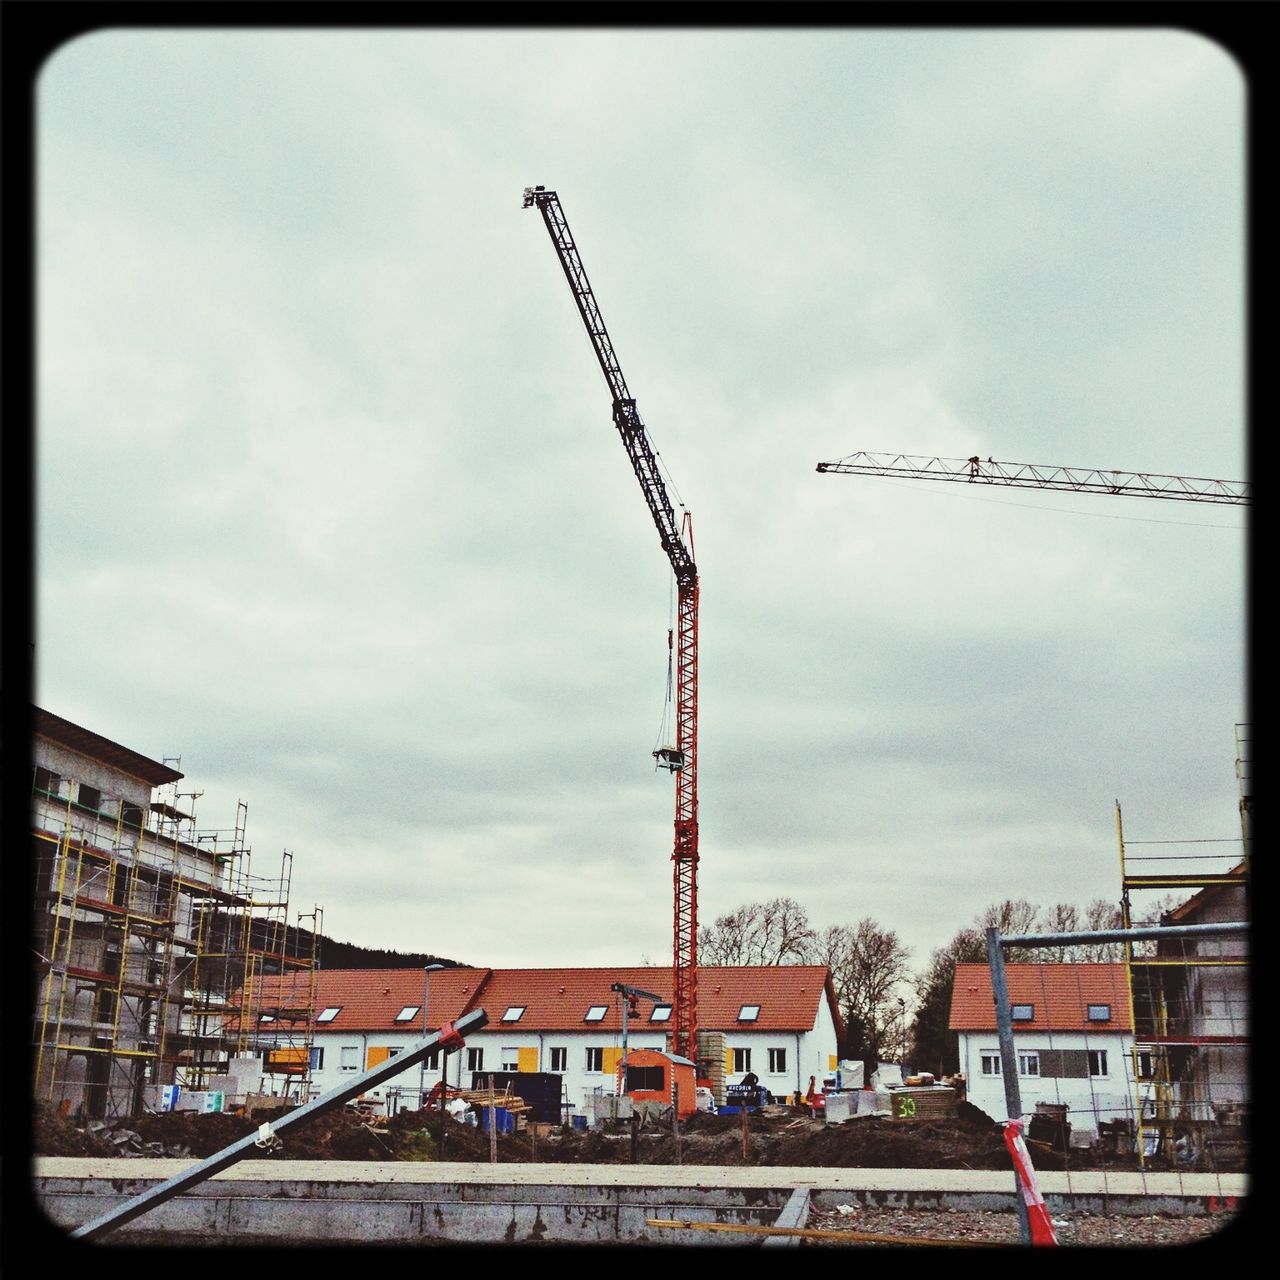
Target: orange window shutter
{"x": 527, "y": 1059}
{"x": 611, "y": 1059}
{"x": 377, "y": 1053}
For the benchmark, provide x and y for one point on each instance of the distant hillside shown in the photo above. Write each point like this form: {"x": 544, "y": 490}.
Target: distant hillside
{"x": 332, "y": 954}
{"x": 346, "y": 955}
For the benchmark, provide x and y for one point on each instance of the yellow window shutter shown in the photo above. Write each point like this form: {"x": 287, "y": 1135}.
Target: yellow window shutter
{"x": 377, "y": 1053}
{"x": 832, "y": 1064}
{"x": 611, "y": 1059}
{"x": 728, "y": 1060}
{"x": 527, "y": 1059}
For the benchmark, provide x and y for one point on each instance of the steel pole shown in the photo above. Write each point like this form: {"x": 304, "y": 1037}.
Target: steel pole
{"x": 449, "y": 1038}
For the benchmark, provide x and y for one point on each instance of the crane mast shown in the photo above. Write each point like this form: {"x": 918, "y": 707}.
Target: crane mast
{"x": 677, "y": 542}
{"x": 1023, "y": 475}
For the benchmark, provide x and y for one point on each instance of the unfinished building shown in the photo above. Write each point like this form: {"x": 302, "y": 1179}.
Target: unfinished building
{"x": 1190, "y": 995}
{"x": 144, "y": 924}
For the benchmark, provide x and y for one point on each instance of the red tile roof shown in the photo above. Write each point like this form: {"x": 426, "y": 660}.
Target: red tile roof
{"x": 1058, "y": 993}
{"x": 556, "y": 999}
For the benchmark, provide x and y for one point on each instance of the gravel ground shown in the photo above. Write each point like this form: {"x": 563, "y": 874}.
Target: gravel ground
{"x": 991, "y": 1229}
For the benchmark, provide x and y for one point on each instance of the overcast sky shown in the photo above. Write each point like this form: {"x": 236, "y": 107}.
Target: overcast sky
{"x": 330, "y": 504}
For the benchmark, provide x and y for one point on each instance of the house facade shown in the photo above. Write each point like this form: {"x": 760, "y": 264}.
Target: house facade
{"x": 1073, "y": 1040}
{"x": 780, "y": 1023}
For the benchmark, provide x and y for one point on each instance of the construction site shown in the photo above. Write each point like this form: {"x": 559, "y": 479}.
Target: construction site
{"x": 178, "y": 1018}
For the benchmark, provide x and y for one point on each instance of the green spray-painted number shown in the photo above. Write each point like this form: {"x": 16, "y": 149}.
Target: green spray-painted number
{"x": 906, "y": 1108}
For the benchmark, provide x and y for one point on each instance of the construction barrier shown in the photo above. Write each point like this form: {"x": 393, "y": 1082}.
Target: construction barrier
{"x": 1037, "y": 1210}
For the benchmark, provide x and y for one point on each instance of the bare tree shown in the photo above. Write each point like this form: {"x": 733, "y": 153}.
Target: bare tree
{"x": 867, "y": 963}
{"x": 773, "y": 932}
{"x": 1062, "y": 917}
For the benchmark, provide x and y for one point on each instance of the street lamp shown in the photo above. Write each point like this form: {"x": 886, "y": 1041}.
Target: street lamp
{"x": 422, "y": 1066}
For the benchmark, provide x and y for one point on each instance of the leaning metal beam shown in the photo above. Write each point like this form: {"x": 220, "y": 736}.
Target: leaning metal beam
{"x": 449, "y": 1038}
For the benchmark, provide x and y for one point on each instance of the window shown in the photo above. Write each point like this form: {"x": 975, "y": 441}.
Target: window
{"x": 317, "y": 1057}
{"x": 990, "y": 1064}
{"x": 509, "y": 1059}
{"x": 514, "y": 1013}
{"x": 777, "y": 1062}
{"x": 742, "y": 1059}
{"x": 46, "y": 780}
{"x": 1145, "y": 1066}
{"x": 1099, "y": 1013}
{"x": 596, "y": 1013}
{"x": 1097, "y": 1062}
{"x": 89, "y": 796}
{"x": 475, "y": 1059}
{"x": 131, "y": 815}
{"x": 328, "y": 1015}
{"x": 559, "y": 1059}
{"x": 661, "y": 1013}
{"x": 1022, "y": 1012}
{"x": 1028, "y": 1064}
{"x": 349, "y": 1057}
{"x": 595, "y": 1059}
{"x": 652, "y": 1078}
{"x": 267, "y": 1017}
{"x": 408, "y": 1013}
{"x": 395, "y": 1051}
{"x": 748, "y": 1013}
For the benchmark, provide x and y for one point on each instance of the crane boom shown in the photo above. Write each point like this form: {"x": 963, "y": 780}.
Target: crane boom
{"x": 677, "y": 543}
{"x": 1024, "y": 475}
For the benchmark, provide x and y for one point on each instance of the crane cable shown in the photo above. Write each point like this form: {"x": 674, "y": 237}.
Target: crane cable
{"x": 664, "y": 728}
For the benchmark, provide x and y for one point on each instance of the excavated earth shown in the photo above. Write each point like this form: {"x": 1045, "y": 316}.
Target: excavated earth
{"x": 779, "y": 1136}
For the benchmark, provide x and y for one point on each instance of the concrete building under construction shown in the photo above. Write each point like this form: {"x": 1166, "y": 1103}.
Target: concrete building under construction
{"x": 144, "y": 925}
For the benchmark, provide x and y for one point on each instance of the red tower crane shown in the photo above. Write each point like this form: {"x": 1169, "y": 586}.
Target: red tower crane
{"x": 677, "y": 542}
{"x": 1024, "y": 475}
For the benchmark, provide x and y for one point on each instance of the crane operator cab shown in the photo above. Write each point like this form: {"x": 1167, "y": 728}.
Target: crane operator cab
{"x": 670, "y": 758}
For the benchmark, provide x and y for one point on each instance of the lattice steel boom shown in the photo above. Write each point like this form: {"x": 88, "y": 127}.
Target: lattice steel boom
{"x": 1023, "y": 475}
{"x": 677, "y": 543}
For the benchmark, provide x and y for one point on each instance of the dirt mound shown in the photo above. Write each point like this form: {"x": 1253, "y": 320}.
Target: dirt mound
{"x": 781, "y": 1136}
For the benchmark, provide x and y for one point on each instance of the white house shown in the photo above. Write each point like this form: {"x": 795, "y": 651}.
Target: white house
{"x": 1073, "y": 1039}
{"x": 780, "y": 1022}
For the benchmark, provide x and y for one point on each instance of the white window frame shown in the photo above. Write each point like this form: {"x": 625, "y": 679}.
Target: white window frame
{"x": 514, "y": 1013}
{"x": 777, "y": 1062}
{"x": 328, "y": 1015}
{"x": 408, "y": 1013}
{"x": 316, "y": 1057}
{"x": 749, "y": 1013}
{"x": 349, "y": 1055}
{"x": 741, "y": 1060}
{"x": 475, "y": 1058}
{"x": 559, "y": 1059}
{"x": 660, "y": 1013}
{"x": 989, "y": 1060}
{"x": 1029, "y": 1062}
{"x": 1097, "y": 1058}
{"x": 509, "y": 1058}
{"x": 594, "y": 1059}
{"x": 595, "y": 1013}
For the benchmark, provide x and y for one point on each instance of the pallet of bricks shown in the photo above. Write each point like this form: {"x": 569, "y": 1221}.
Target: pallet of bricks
{"x": 926, "y": 1102}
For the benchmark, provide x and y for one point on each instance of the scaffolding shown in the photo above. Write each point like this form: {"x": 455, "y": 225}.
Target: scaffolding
{"x": 1189, "y": 996}
{"x": 144, "y": 930}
